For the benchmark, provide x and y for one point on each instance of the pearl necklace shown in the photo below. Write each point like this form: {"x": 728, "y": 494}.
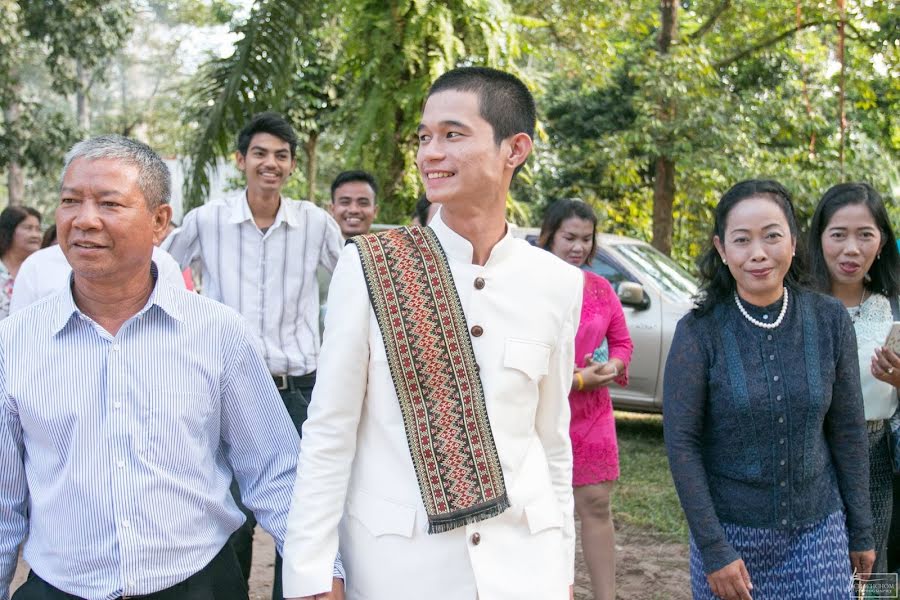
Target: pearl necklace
{"x": 771, "y": 325}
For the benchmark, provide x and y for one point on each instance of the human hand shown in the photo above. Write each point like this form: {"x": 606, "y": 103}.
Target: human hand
{"x": 595, "y": 375}
{"x": 731, "y": 582}
{"x": 862, "y": 563}
{"x": 336, "y": 593}
{"x": 886, "y": 366}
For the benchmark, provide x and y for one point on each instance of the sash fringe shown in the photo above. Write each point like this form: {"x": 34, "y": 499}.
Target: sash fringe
{"x": 484, "y": 512}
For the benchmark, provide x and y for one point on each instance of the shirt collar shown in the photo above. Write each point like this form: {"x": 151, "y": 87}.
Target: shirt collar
{"x": 240, "y": 211}
{"x": 163, "y": 296}
{"x": 460, "y": 249}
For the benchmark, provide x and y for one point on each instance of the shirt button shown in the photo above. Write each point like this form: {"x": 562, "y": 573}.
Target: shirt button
{"x": 775, "y": 378}
{"x": 784, "y": 503}
{"x": 765, "y": 317}
{"x": 120, "y": 464}
{"x": 475, "y": 539}
{"x": 479, "y": 283}
{"x": 115, "y": 347}
{"x": 126, "y": 523}
{"x": 771, "y": 357}
{"x": 476, "y": 330}
{"x": 782, "y": 463}
{"x": 784, "y": 521}
{"x": 769, "y": 337}
{"x": 781, "y": 419}
{"x": 783, "y": 483}
{"x": 781, "y": 441}
{"x": 778, "y": 397}
{"x": 117, "y": 404}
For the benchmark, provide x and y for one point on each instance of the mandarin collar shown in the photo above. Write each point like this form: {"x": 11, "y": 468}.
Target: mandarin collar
{"x": 458, "y": 248}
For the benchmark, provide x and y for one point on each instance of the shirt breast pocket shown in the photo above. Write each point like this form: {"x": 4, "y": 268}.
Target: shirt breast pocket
{"x": 176, "y": 428}
{"x": 531, "y": 358}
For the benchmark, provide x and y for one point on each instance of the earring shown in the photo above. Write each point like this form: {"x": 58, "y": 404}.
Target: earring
{"x": 724, "y": 262}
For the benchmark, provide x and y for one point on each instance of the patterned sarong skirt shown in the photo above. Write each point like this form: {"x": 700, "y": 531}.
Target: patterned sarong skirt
{"x": 809, "y": 562}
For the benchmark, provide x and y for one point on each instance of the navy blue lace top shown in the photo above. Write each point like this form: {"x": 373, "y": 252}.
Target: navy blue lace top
{"x": 765, "y": 427}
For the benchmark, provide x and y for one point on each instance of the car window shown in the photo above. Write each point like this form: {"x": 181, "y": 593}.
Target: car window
{"x": 604, "y": 267}
{"x": 671, "y": 278}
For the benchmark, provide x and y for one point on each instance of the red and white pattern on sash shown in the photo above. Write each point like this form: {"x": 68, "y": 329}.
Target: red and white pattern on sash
{"x": 434, "y": 372}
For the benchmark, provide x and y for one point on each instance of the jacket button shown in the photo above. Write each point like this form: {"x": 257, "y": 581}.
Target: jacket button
{"x": 476, "y": 330}
{"x": 475, "y": 539}
{"x": 479, "y": 283}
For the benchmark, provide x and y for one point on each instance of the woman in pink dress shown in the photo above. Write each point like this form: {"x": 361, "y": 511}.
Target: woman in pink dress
{"x": 568, "y": 232}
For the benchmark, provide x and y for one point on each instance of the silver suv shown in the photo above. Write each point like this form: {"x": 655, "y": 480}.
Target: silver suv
{"x": 655, "y": 292}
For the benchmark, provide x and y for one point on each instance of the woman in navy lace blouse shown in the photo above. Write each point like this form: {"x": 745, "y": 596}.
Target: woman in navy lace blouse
{"x": 763, "y": 417}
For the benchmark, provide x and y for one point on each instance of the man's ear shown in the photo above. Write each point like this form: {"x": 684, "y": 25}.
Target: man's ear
{"x": 239, "y": 161}
{"x": 162, "y": 215}
{"x": 520, "y": 146}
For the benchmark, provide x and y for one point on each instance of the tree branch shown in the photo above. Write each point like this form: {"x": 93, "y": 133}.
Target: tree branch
{"x": 771, "y": 41}
{"x": 710, "y": 21}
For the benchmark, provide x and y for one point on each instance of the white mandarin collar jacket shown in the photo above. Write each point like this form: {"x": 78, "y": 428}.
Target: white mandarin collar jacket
{"x": 356, "y": 486}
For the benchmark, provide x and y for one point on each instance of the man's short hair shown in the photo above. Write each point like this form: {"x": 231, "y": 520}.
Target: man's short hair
{"x": 267, "y": 122}
{"x": 154, "y": 179}
{"x": 503, "y": 100}
{"x": 349, "y": 176}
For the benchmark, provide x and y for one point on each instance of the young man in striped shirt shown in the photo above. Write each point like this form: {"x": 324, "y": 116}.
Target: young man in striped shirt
{"x": 258, "y": 253}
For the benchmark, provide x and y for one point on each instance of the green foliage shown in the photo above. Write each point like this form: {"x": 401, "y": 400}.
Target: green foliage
{"x": 45, "y": 42}
{"x": 728, "y": 102}
{"x": 83, "y": 31}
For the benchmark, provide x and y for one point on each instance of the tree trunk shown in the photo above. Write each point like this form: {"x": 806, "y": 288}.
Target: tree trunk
{"x": 309, "y": 148}
{"x": 663, "y": 198}
{"x": 82, "y": 110}
{"x": 15, "y": 178}
{"x": 664, "y": 176}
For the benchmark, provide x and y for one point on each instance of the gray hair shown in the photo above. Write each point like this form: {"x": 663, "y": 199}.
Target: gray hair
{"x": 154, "y": 178}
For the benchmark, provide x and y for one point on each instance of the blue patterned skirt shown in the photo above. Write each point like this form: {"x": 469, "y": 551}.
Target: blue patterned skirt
{"x": 797, "y": 564}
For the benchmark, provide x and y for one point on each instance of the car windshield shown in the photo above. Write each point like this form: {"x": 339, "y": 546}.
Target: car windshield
{"x": 671, "y": 278}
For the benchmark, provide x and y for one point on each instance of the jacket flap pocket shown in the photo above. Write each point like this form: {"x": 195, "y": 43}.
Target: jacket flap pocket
{"x": 382, "y": 516}
{"x": 543, "y": 514}
{"x": 529, "y": 357}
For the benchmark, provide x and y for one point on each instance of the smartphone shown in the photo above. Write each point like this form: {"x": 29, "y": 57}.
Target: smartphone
{"x": 893, "y": 338}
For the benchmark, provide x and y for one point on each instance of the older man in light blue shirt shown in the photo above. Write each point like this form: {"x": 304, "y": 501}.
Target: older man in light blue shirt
{"x": 125, "y": 407}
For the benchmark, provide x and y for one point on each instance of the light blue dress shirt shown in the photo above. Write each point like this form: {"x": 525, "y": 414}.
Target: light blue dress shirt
{"x": 116, "y": 452}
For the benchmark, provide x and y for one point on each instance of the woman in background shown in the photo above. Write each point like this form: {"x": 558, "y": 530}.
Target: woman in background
{"x": 49, "y": 238}
{"x": 763, "y": 417}
{"x": 853, "y": 256}
{"x": 20, "y": 236}
{"x": 569, "y": 232}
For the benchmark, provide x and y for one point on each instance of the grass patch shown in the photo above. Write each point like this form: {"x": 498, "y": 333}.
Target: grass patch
{"x": 645, "y": 495}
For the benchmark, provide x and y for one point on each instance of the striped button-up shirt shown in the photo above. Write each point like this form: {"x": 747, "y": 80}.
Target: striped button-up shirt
{"x": 267, "y": 276}
{"x": 117, "y": 452}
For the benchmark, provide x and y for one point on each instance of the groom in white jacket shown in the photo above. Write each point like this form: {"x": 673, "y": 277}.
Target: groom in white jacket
{"x": 485, "y": 511}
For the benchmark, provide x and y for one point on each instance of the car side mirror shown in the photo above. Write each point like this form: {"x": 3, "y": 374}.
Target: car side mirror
{"x": 632, "y": 294}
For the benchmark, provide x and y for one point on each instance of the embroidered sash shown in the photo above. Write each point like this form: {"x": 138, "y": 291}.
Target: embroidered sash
{"x": 433, "y": 368}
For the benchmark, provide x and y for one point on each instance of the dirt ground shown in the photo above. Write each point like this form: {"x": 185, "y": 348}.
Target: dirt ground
{"x": 646, "y": 568}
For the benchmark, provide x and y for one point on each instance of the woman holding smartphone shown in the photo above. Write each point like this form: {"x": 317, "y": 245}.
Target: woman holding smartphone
{"x": 763, "y": 417}
{"x": 853, "y": 256}
{"x": 569, "y": 232}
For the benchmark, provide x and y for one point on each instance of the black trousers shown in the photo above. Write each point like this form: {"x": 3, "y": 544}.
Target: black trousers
{"x": 296, "y": 400}
{"x": 219, "y": 580}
